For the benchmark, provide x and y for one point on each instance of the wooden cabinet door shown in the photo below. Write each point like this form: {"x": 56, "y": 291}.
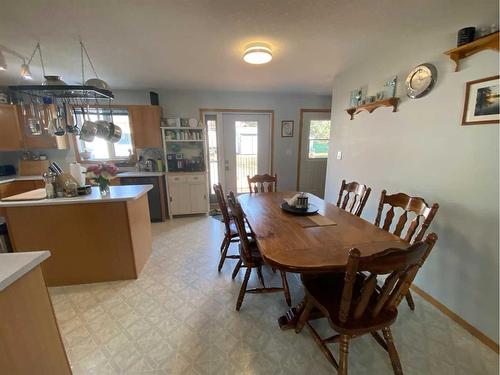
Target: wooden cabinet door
{"x": 145, "y": 125}
{"x": 44, "y": 141}
{"x": 198, "y": 195}
{"x": 179, "y": 196}
{"x": 10, "y": 129}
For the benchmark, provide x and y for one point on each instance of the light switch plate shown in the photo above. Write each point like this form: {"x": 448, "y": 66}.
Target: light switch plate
{"x": 339, "y": 155}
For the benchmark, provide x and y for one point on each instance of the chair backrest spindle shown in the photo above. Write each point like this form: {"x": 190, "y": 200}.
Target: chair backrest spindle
{"x": 262, "y": 183}
{"x": 400, "y": 265}
{"x": 416, "y": 228}
{"x": 353, "y": 197}
{"x": 219, "y": 194}
{"x": 239, "y": 221}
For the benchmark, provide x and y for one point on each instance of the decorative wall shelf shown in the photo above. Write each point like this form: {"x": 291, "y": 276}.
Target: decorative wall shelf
{"x": 486, "y": 42}
{"x": 370, "y": 107}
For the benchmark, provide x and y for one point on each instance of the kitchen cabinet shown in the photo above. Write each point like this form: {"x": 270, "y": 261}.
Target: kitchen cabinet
{"x": 187, "y": 193}
{"x": 145, "y": 124}
{"x": 44, "y": 141}
{"x": 156, "y": 196}
{"x": 10, "y": 130}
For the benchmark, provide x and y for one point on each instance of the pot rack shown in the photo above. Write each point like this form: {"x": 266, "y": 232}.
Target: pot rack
{"x": 81, "y": 96}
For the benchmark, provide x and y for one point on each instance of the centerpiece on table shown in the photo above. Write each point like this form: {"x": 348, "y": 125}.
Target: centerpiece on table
{"x": 101, "y": 174}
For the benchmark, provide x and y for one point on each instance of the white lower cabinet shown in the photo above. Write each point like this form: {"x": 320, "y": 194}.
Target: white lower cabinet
{"x": 187, "y": 194}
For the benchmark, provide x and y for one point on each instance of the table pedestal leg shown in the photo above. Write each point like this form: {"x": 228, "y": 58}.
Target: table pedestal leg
{"x": 290, "y": 319}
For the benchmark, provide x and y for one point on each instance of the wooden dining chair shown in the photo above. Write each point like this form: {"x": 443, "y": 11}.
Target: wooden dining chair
{"x": 353, "y": 197}
{"x": 261, "y": 183}
{"x": 230, "y": 232}
{"x": 353, "y": 304}
{"x": 252, "y": 259}
{"x": 415, "y": 230}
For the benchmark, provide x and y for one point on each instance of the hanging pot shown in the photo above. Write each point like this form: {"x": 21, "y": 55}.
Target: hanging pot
{"x": 115, "y": 133}
{"x": 88, "y": 131}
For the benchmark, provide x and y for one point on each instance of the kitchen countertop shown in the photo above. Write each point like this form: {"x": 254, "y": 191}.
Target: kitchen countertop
{"x": 13, "y": 178}
{"x": 15, "y": 265}
{"x": 140, "y": 174}
{"x": 117, "y": 194}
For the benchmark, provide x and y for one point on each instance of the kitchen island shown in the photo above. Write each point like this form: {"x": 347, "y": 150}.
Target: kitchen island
{"x": 30, "y": 340}
{"x": 91, "y": 238}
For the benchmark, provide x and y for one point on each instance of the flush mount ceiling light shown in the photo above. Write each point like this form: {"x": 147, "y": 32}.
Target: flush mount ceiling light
{"x": 258, "y": 53}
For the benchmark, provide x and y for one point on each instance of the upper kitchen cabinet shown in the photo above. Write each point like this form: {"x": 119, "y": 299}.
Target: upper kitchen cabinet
{"x": 43, "y": 141}
{"x": 145, "y": 121}
{"x": 10, "y": 130}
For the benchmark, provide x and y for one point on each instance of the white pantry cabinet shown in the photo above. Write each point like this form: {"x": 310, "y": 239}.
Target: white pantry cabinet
{"x": 187, "y": 193}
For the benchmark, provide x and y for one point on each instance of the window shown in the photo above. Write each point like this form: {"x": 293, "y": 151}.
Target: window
{"x": 211, "y": 121}
{"x": 100, "y": 149}
{"x": 319, "y": 138}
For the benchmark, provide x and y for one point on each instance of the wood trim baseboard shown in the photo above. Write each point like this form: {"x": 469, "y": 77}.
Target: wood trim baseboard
{"x": 463, "y": 323}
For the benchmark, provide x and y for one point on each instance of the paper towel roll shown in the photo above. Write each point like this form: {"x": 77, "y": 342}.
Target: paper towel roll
{"x": 77, "y": 172}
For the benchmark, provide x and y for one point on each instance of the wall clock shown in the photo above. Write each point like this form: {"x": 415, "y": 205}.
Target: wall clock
{"x": 421, "y": 80}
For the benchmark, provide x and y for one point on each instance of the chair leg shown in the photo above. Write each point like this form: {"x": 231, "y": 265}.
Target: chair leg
{"x": 243, "y": 288}
{"x": 344, "y": 354}
{"x": 393, "y": 353}
{"x": 227, "y": 242}
{"x": 223, "y": 244}
{"x": 236, "y": 269}
{"x": 286, "y": 290}
{"x": 260, "y": 276}
{"x": 304, "y": 317}
{"x": 409, "y": 299}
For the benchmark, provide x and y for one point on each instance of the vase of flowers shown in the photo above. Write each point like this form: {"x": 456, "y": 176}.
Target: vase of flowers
{"x": 101, "y": 174}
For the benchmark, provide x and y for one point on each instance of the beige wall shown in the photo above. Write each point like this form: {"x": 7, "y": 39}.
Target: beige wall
{"x": 422, "y": 150}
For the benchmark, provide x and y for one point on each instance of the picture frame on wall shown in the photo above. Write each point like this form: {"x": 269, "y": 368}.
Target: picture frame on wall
{"x": 482, "y": 102}
{"x": 287, "y": 128}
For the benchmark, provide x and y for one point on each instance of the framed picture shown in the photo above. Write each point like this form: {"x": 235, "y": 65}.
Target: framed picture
{"x": 482, "y": 102}
{"x": 287, "y": 128}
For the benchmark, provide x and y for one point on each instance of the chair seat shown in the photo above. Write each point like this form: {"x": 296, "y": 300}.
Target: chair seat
{"x": 254, "y": 253}
{"x": 326, "y": 291}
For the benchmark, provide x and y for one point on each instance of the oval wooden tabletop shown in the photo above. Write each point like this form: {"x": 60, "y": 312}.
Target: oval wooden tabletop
{"x": 285, "y": 244}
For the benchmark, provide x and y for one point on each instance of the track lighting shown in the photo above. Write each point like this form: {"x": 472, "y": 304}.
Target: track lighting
{"x": 25, "y": 71}
{"x": 3, "y": 63}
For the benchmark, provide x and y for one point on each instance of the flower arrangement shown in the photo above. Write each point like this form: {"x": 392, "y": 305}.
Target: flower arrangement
{"x": 101, "y": 174}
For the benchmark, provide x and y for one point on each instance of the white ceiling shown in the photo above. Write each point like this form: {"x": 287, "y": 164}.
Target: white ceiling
{"x": 198, "y": 44}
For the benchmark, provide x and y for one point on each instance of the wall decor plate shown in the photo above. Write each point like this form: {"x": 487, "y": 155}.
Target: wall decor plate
{"x": 287, "y": 128}
{"x": 482, "y": 102}
{"x": 420, "y": 80}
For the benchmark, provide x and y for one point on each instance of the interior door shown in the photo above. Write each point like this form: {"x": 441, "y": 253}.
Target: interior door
{"x": 246, "y": 144}
{"x": 315, "y": 139}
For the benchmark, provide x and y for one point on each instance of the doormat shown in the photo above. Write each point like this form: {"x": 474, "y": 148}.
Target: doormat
{"x": 216, "y": 214}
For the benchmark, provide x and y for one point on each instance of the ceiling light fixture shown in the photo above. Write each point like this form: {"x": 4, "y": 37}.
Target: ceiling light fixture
{"x": 3, "y": 63}
{"x": 25, "y": 71}
{"x": 258, "y": 53}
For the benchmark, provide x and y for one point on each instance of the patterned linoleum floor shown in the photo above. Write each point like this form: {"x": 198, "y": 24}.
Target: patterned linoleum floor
{"x": 179, "y": 318}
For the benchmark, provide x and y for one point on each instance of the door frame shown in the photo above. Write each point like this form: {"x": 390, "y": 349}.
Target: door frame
{"x": 204, "y": 111}
{"x": 301, "y": 126}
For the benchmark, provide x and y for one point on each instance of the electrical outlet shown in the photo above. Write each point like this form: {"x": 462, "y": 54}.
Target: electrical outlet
{"x": 339, "y": 155}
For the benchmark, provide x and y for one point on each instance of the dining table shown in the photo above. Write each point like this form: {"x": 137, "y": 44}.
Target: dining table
{"x": 295, "y": 243}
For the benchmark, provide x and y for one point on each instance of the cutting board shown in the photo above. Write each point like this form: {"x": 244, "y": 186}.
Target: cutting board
{"x": 33, "y": 195}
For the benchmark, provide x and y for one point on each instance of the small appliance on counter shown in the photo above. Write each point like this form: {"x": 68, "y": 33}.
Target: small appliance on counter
{"x": 177, "y": 163}
{"x": 7, "y": 170}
